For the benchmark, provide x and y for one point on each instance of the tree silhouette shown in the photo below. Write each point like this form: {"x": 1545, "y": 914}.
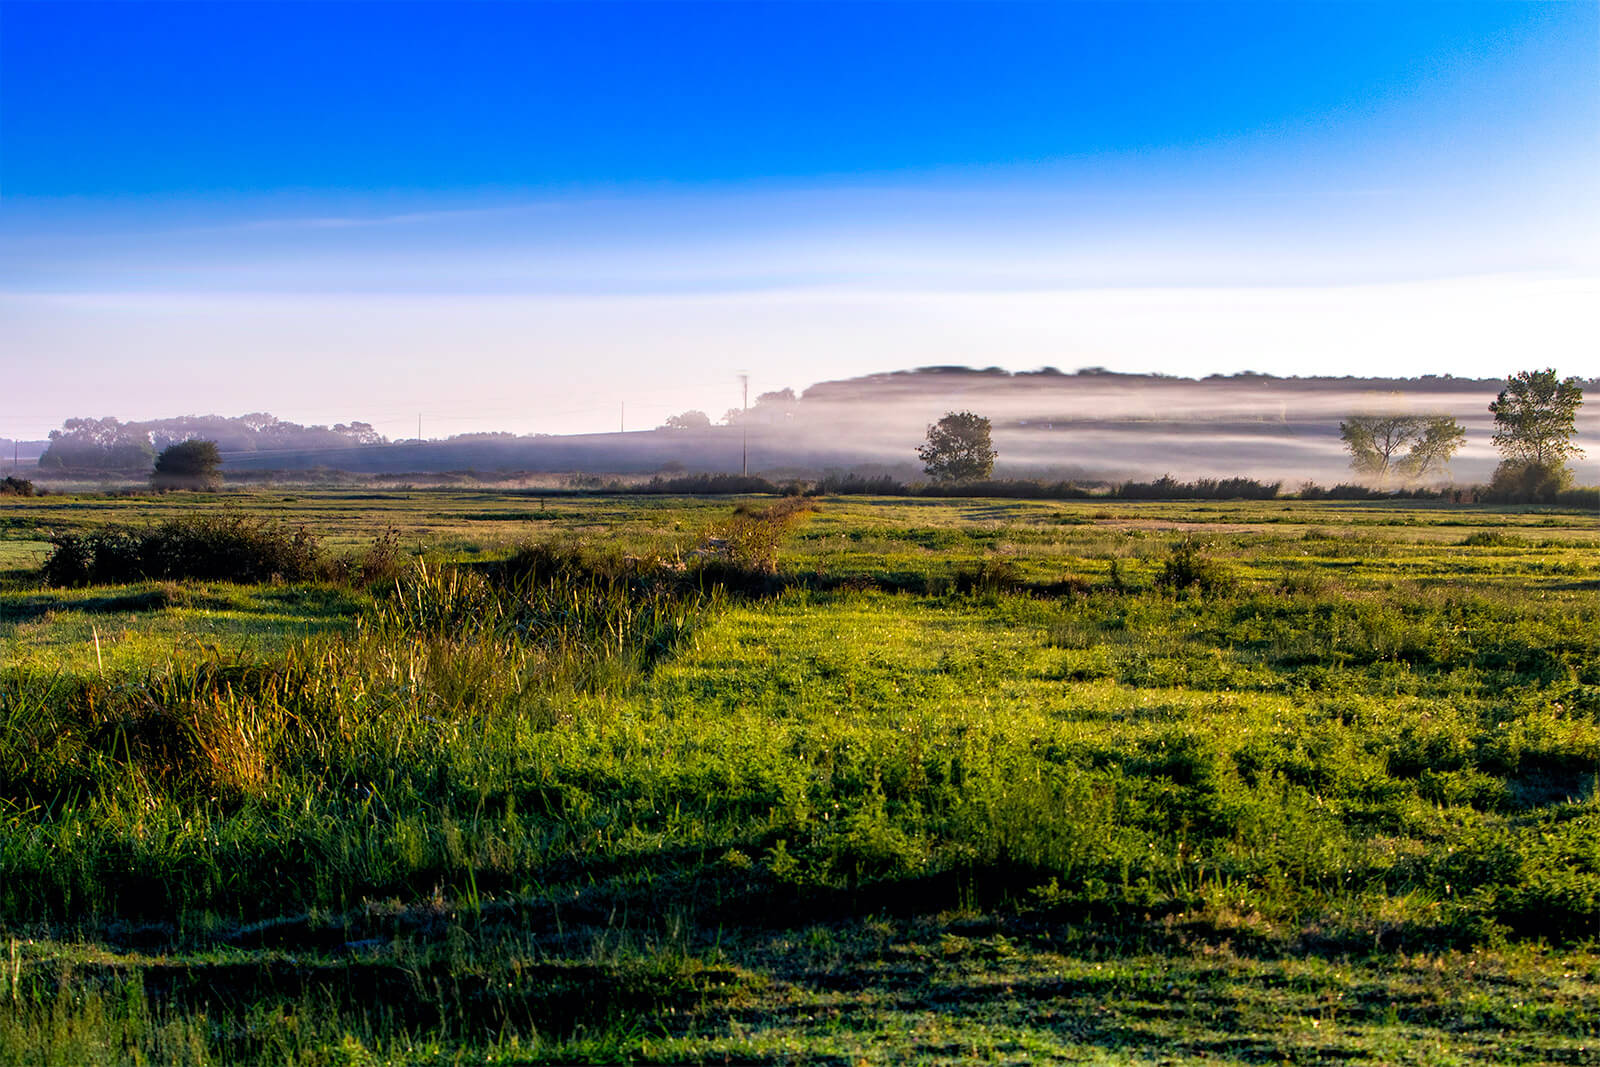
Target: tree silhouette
{"x": 188, "y": 465}
{"x": 958, "y": 448}
{"x": 1536, "y": 417}
{"x": 688, "y": 420}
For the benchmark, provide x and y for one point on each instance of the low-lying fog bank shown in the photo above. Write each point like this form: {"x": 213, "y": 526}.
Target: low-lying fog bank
{"x": 1089, "y": 425}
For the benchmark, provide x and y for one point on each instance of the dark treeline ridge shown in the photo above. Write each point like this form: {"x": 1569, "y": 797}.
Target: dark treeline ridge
{"x": 1164, "y": 488}
{"x": 1169, "y": 488}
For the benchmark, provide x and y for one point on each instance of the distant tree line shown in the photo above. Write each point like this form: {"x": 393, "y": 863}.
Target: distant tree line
{"x": 112, "y": 445}
{"x": 770, "y": 409}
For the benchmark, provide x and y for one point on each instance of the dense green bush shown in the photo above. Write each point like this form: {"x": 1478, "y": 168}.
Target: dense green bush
{"x": 213, "y": 548}
{"x": 188, "y": 465}
{"x": 1523, "y": 482}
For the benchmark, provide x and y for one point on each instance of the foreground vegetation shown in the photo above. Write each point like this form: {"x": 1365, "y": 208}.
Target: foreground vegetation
{"x": 866, "y": 780}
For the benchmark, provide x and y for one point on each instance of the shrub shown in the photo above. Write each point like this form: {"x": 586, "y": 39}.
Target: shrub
{"x": 1519, "y": 482}
{"x": 188, "y": 465}
{"x": 13, "y": 486}
{"x": 989, "y": 576}
{"x": 1188, "y": 569}
{"x": 216, "y": 548}
{"x": 1490, "y": 539}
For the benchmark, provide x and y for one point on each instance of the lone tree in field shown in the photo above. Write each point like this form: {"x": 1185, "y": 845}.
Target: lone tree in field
{"x": 1535, "y": 418}
{"x": 188, "y": 465}
{"x": 958, "y": 449}
{"x": 1409, "y": 445}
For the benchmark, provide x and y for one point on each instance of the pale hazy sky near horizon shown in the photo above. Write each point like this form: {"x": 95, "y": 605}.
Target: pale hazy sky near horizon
{"x": 521, "y": 216}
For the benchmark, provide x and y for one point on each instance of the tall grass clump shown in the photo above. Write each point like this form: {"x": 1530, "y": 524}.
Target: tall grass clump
{"x": 740, "y": 553}
{"x": 546, "y": 610}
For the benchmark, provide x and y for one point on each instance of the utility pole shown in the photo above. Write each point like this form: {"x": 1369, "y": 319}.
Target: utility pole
{"x": 622, "y": 416}
{"x": 744, "y": 429}
{"x": 419, "y": 427}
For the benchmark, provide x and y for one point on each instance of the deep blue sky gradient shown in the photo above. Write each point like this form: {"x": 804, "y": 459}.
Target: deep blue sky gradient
{"x": 122, "y": 99}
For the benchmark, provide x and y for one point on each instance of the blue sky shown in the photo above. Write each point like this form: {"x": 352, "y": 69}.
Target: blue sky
{"x": 517, "y": 215}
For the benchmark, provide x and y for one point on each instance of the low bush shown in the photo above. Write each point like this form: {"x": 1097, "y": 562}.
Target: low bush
{"x": 227, "y": 548}
{"x": 13, "y": 486}
{"x": 188, "y": 465}
{"x": 1490, "y": 539}
{"x": 1527, "y": 483}
{"x": 1188, "y": 569}
{"x": 210, "y": 547}
{"x": 988, "y": 576}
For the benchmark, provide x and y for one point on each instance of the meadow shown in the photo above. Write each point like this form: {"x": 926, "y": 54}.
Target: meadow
{"x": 840, "y": 780}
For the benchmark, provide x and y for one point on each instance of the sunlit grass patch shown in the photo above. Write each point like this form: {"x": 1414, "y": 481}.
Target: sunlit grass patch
{"x": 131, "y": 627}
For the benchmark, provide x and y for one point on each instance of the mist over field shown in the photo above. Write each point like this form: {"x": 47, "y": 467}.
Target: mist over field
{"x": 1047, "y": 424}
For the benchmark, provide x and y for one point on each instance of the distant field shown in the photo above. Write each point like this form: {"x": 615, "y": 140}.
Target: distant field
{"x": 878, "y": 780}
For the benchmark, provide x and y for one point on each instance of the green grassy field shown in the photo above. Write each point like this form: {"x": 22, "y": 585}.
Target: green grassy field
{"x": 878, "y": 781}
